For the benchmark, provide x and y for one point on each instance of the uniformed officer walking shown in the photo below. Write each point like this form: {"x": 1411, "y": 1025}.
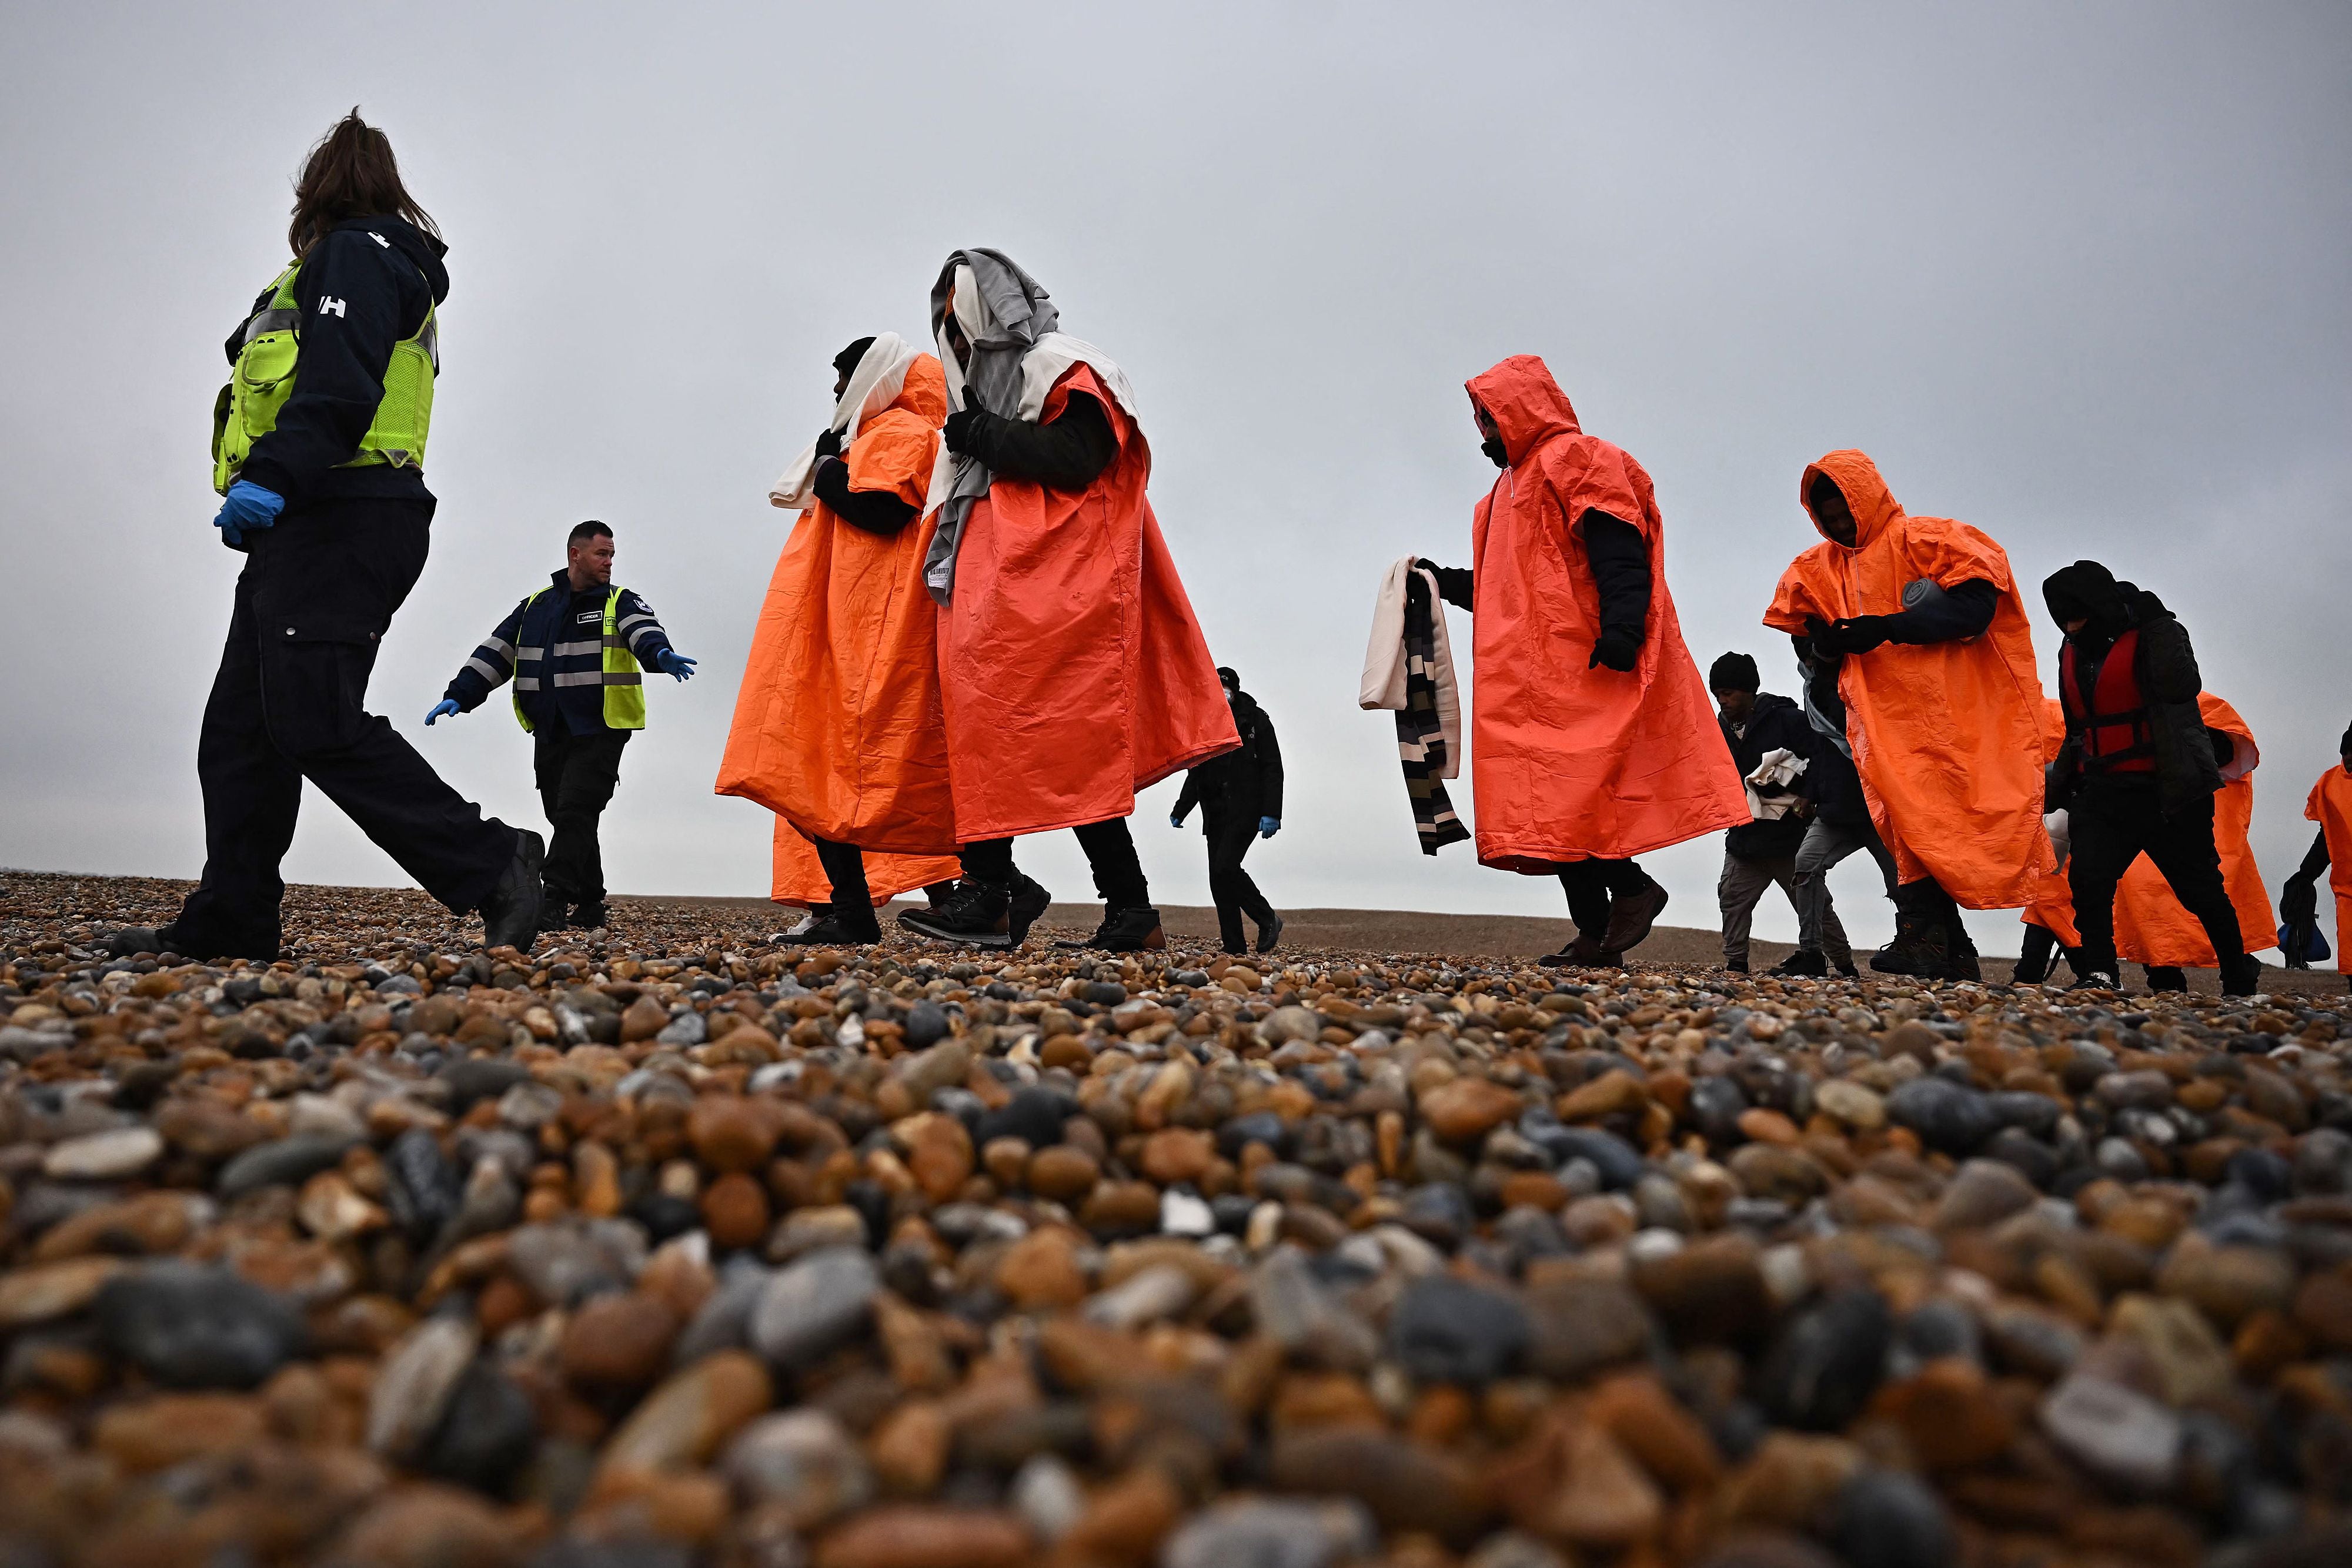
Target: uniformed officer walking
{"x": 319, "y": 453}
{"x": 1240, "y": 797}
{"x": 574, "y": 649}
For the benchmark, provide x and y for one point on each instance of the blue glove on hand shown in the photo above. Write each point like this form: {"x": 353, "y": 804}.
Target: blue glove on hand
{"x": 445, "y": 708}
{"x": 1175, "y": 819}
{"x": 246, "y": 508}
{"x": 1268, "y": 826}
{"x": 672, "y": 662}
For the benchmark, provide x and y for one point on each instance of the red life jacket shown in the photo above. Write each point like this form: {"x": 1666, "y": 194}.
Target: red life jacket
{"x": 2117, "y": 737}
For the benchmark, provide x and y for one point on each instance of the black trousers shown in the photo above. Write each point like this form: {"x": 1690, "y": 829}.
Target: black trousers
{"x": 312, "y": 603}
{"x": 1110, "y": 854}
{"x": 1234, "y": 890}
{"x": 577, "y": 775}
{"x": 2114, "y": 822}
{"x": 1590, "y": 884}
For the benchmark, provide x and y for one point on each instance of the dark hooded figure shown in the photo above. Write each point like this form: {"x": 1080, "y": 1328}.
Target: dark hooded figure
{"x": 2138, "y": 768}
{"x": 1240, "y": 797}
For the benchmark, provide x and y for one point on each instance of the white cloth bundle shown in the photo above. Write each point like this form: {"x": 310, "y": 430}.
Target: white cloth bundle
{"x": 1777, "y": 769}
{"x": 874, "y": 385}
{"x": 1383, "y": 685}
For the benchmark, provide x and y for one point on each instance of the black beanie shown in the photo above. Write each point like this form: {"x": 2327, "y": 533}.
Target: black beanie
{"x": 2344, "y": 748}
{"x": 1231, "y": 681}
{"x": 846, "y": 363}
{"x": 1733, "y": 672}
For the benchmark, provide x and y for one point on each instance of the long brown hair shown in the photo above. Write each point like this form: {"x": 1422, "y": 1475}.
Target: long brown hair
{"x": 349, "y": 173}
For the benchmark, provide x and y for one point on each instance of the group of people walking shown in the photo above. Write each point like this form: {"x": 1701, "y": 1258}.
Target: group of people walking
{"x": 975, "y": 634}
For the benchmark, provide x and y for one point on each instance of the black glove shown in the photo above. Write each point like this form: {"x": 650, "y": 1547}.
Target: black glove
{"x": 2299, "y": 900}
{"x": 1619, "y": 649}
{"x": 958, "y": 432}
{"x": 1854, "y": 634}
{"x": 828, "y": 445}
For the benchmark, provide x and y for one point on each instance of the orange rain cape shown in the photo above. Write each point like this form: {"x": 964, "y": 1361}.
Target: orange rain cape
{"x": 1571, "y": 761}
{"x": 1948, "y": 737}
{"x": 2151, "y": 926}
{"x": 837, "y": 726}
{"x": 1073, "y": 670}
{"x": 2330, "y": 806}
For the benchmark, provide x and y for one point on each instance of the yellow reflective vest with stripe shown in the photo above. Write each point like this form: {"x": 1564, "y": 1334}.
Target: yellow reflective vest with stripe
{"x": 248, "y": 408}
{"x": 618, "y": 673}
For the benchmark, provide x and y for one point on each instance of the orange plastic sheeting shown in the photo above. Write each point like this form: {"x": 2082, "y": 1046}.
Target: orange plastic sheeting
{"x": 2330, "y": 806}
{"x": 1946, "y": 736}
{"x": 1569, "y": 760}
{"x": 1073, "y": 670}
{"x": 797, "y": 878}
{"x": 837, "y": 726}
{"x": 2151, "y": 925}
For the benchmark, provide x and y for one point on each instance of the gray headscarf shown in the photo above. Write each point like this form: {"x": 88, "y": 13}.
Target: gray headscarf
{"x": 1019, "y": 312}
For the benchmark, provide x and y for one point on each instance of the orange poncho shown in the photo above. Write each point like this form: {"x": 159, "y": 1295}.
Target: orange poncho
{"x": 837, "y": 726}
{"x": 2151, "y": 926}
{"x": 2330, "y": 806}
{"x": 1570, "y": 761}
{"x": 1948, "y": 737}
{"x": 1073, "y": 670}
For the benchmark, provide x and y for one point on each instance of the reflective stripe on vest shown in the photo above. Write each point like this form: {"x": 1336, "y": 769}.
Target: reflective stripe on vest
{"x": 248, "y": 408}
{"x": 2118, "y": 735}
{"x": 619, "y": 671}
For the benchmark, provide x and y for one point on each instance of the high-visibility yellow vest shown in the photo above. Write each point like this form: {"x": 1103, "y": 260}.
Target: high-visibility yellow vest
{"x": 247, "y": 408}
{"x": 621, "y": 676}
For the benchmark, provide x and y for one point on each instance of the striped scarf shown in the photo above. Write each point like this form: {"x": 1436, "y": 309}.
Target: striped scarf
{"x": 1421, "y": 743}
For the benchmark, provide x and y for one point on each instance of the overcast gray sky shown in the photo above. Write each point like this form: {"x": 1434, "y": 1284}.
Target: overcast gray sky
{"x": 2076, "y": 274}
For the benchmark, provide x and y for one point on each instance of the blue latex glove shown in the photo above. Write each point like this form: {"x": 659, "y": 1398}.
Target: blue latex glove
{"x": 1268, "y": 826}
{"x": 1175, "y": 819}
{"x": 672, "y": 662}
{"x": 445, "y": 708}
{"x": 246, "y": 508}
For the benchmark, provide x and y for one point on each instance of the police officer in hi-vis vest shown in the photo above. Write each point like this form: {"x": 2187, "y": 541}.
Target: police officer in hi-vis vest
{"x": 575, "y": 648}
{"x": 318, "y": 451}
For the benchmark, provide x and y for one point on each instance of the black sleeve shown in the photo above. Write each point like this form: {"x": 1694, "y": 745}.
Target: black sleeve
{"x": 1269, "y": 769}
{"x": 1621, "y": 569}
{"x": 355, "y": 300}
{"x": 1190, "y": 796}
{"x": 2224, "y": 744}
{"x": 876, "y": 511}
{"x": 1069, "y": 454}
{"x": 1453, "y": 583}
{"x": 2167, "y": 662}
{"x": 490, "y": 665}
{"x": 2315, "y": 861}
{"x": 1962, "y": 612}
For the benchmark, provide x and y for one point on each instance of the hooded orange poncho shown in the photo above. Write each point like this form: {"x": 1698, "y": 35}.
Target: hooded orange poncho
{"x": 1073, "y": 670}
{"x": 837, "y": 726}
{"x": 2151, "y": 925}
{"x": 2330, "y": 805}
{"x": 1948, "y": 737}
{"x": 1570, "y": 761}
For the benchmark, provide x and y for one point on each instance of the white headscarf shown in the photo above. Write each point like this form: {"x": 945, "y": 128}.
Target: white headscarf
{"x": 874, "y": 385}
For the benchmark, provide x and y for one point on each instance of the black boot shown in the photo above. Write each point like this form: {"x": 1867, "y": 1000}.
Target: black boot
{"x": 1269, "y": 932}
{"x": 1024, "y": 907}
{"x": 1130, "y": 930}
{"x": 510, "y": 914}
{"x": 2241, "y": 976}
{"x": 2166, "y": 977}
{"x": 831, "y": 927}
{"x": 974, "y": 915}
{"x": 1917, "y": 949}
{"x": 1804, "y": 962}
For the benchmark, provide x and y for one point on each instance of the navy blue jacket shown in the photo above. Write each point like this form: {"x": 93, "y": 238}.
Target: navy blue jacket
{"x": 556, "y": 634}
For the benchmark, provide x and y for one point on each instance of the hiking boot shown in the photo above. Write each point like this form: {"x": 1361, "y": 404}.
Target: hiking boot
{"x": 1269, "y": 934}
{"x": 2241, "y": 977}
{"x": 975, "y": 914}
{"x": 2030, "y": 969}
{"x": 826, "y": 927}
{"x": 591, "y": 916}
{"x": 1803, "y": 962}
{"x": 1735, "y": 966}
{"x": 1024, "y": 907}
{"x": 510, "y": 914}
{"x": 1130, "y": 930}
{"x": 1631, "y": 917}
{"x": 1959, "y": 954}
{"x": 2166, "y": 977}
{"x": 1847, "y": 969}
{"x": 1583, "y": 953}
{"x": 1918, "y": 950}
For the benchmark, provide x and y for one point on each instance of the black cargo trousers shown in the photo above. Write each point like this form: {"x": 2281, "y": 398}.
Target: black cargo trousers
{"x": 317, "y": 593}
